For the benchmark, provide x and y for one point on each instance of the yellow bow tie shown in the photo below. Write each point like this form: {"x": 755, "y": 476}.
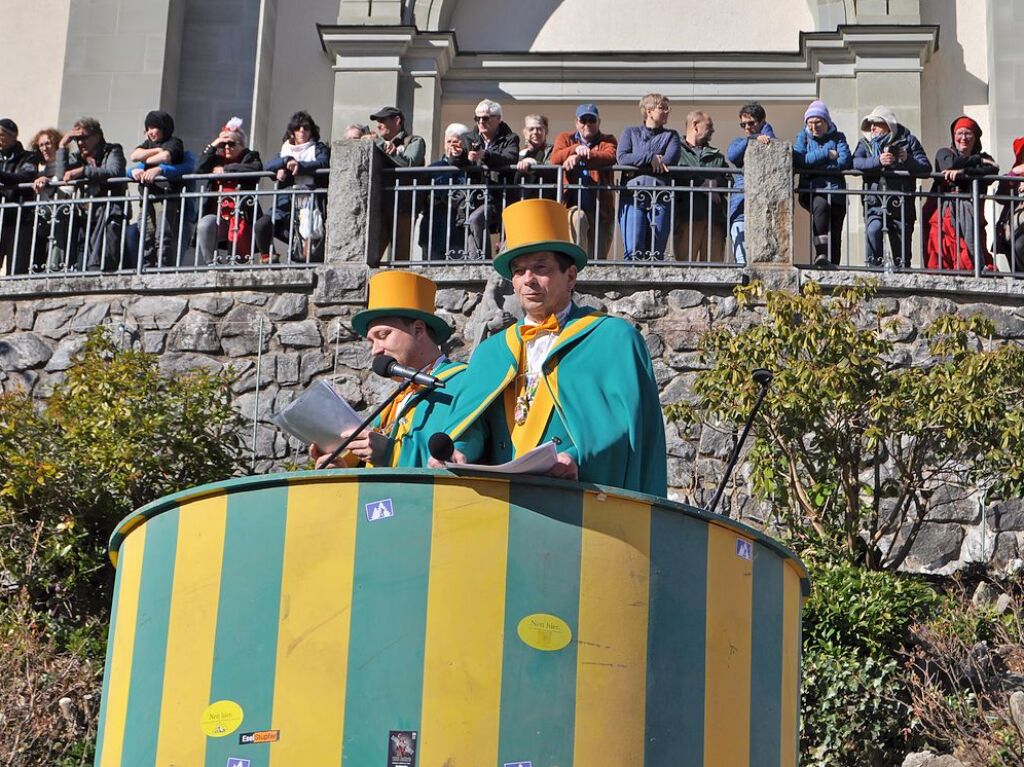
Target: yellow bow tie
{"x": 529, "y": 332}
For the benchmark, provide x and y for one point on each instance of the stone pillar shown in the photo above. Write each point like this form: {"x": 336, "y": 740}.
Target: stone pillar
{"x": 353, "y": 203}
{"x": 768, "y": 203}
{"x": 426, "y": 62}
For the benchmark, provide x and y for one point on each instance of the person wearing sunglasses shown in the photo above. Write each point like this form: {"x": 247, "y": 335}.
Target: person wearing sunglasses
{"x": 226, "y": 217}
{"x": 755, "y": 126}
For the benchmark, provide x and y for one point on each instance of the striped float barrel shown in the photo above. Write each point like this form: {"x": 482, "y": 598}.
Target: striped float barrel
{"x": 318, "y": 618}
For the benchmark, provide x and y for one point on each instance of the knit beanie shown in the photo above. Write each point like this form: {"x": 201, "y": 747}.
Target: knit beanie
{"x": 7, "y": 125}
{"x": 161, "y": 120}
{"x": 817, "y": 109}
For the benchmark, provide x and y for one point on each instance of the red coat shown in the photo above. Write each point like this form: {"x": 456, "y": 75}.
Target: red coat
{"x": 602, "y": 158}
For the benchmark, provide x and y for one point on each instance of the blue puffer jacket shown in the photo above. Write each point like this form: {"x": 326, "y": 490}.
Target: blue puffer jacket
{"x": 735, "y": 153}
{"x": 810, "y": 153}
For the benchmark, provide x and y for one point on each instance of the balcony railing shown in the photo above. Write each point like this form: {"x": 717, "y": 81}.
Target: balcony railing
{"x": 196, "y": 222}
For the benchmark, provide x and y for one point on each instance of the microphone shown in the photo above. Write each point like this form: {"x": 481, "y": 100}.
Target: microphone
{"x": 762, "y": 378}
{"x": 388, "y": 367}
{"x": 441, "y": 446}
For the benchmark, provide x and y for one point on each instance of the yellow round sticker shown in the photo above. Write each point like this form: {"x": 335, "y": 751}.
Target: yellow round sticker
{"x": 544, "y": 632}
{"x": 221, "y": 718}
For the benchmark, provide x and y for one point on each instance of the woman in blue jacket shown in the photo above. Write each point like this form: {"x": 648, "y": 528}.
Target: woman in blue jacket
{"x": 820, "y": 147}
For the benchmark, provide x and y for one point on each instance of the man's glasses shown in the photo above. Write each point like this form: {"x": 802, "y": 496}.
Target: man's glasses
{"x": 229, "y": 144}
{"x": 482, "y": 118}
{"x": 587, "y": 119}
{"x": 747, "y": 124}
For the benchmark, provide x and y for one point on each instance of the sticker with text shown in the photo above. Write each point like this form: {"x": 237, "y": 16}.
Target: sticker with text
{"x": 382, "y": 509}
{"x": 221, "y": 718}
{"x": 260, "y": 736}
{"x": 744, "y": 548}
{"x": 402, "y": 748}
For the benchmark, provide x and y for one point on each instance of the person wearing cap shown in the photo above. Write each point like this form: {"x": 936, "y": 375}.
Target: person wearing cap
{"x": 84, "y": 155}
{"x": 587, "y": 157}
{"x": 644, "y": 214}
{"x": 493, "y": 151}
{"x": 400, "y": 149}
{"x": 949, "y": 232}
{"x": 226, "y": 217}
{"x": 700, "y": 216}
{"x": 160, "y": 151}
{"x": 17, "y": 166}
{"x": 755, "y": 126}
{"x": 821, "y": 146}
{"x": 563, "y": 373}
{"x": 399, "y": 321}
{"x": 886, "y": 154}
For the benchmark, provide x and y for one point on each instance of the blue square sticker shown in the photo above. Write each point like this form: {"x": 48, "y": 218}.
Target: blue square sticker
{"x": 744, "y": 548}
{"x": 518, "y": 764}
{"x": 377, "y": 510}
{"x": 234, "y": 761}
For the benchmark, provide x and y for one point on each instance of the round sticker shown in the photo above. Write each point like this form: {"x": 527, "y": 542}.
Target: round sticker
{"x": 544, "y": 632}
{"x": 221, "y": 718}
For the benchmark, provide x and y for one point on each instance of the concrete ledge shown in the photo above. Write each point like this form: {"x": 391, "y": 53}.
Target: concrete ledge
{"x": 159, "y": 282}
{"x": 918, "y": 283}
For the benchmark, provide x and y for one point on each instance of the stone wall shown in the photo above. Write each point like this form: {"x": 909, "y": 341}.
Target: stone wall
{"x": 281, "y": 330}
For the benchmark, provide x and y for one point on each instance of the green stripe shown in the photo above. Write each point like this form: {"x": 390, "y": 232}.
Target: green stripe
{"x": 145, "y": 692}
{"x": 766, "y": 660}
{"x": 111, "y": 632}
{"x": 384, "y": 688}
{"x": 538, "y": 688}
{"x": 676, "y": 636}
{"x": 245, "y": 648}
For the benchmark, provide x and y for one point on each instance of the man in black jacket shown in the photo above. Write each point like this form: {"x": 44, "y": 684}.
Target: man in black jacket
{"x": 17, "y": 166}
{"x": 95, "y": 162}
{"x": 493, "y": 153}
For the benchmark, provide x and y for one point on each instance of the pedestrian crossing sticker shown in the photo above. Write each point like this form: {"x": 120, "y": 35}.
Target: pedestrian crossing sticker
{"x": 377, "y": 510}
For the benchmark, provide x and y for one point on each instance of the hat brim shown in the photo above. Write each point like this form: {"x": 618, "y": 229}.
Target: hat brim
{"x": 503, "y": 262}
{"x": 361, "y": 321}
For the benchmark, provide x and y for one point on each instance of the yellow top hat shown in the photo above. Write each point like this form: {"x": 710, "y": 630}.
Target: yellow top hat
{"x": 402, "y": 294}
{"x": 536, "y": 225}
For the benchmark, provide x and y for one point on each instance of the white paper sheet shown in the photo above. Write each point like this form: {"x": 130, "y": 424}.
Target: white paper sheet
{"x": 318, "y": 415}
{"x": 540, "y": 460}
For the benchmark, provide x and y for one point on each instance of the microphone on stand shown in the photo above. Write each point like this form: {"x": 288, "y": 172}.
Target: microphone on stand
{"x": 441, "y": 447}
{"x": 762, "y": 378}
{"x": 388, "y": 367}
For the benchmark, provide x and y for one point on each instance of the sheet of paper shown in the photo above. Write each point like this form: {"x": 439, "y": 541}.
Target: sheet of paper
{"x": 318, "y": 415}
{"x": 540, "y": 460}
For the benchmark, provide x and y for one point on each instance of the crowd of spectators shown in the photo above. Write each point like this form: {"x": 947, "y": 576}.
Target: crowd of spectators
{"x": 677, "y": 198}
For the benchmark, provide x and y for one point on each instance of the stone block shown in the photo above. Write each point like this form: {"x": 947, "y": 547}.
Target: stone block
{"x": 1007, "y": 323}
{"x": 936, "y": 546}
{"x": 157, "y": 312}
{"x": 64, "y": 354}
{"x": 924, "y": 310}
{"x": 247, "y": 379}
{"x": 24, "y": 317}
{"x": 153, "y": 341}
{"x": 175, "y": 364}
{"x": 304, "y": 334}
{"x": 90, "y": 316}
{"x": 726, "y": 307}
{"x": 679, "y": 390}
{"x": 253, "y": 299}
{"x": 1009, "y": 515}
{"x": 717, "y": 442}
{"x": 240, "y": 332}
{"x": 452, "y": 300}
{"x": 20, "y": 381}
{"x": 684, "y": 299}
{"x": 54, "y": 323}
{"x": 655, "y": 346}
{"x": 23, "y": 351}
{"x": 6, "y": 316}
{"x": 950, "y": 503}
{"x": 341, "y": 285}
{"x": 196, "y": 332}
{"x": 768, "y": 208}
{"x": 288, "y": 306}
{"x": 662, "y": 373}
{"x": 313, "y": 363}
{"x": 287, "y": 369}
{"x": 215, "y": 305}
{"x": 640, "y": 306}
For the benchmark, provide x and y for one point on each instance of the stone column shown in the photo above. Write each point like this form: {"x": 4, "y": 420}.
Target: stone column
{"x": 353, "y": 203}
{"x": 768, "y": 203}
{"x": 426, "y": 62}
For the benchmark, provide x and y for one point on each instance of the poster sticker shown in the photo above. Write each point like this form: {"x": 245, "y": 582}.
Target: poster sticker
{"x": 382, "y": 509}
{"x": 260, "y": 736}
{"x": 542, "y": 631}
{"x": 402, "y": 748}
{"x": 221, "y": 718}
{"x": 744, "y": 548}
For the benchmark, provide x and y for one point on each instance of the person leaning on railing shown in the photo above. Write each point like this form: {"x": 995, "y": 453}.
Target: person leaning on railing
{"x": 399, "y": 149}
{"x": 444, "y": 212}
{"x": 160, "y": 149}
{"x": 302, "y": 154}
{"x": 85, "y": 155}
{"x": 226, "y": 217}
{"x": 949, "y": 231}
{"x": 1010, "y": 227}
{"x": 536, "y": 151}
{"x": 886, "y": 155}
{"x": 50, "y": 223}
{"x": 821, "y": 146}
{"x": 17, "y": 166}
{"x": 755, "y": 125}
{"x": 696, "y": 214}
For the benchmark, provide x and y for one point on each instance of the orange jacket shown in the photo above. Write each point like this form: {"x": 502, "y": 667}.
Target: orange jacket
{"x": 602, "y": 158}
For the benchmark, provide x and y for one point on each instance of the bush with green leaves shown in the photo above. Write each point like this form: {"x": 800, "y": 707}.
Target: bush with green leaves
{"x": 856, "y": 704}
{"x": 114, "y": 436}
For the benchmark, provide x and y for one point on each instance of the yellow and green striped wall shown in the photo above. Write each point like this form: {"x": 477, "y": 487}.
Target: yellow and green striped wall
{"x": 502, "y": 622}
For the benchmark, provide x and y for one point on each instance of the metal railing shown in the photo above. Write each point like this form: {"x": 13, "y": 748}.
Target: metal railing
{"x": 194, "y": 222}
{"x": 441, "y": 214}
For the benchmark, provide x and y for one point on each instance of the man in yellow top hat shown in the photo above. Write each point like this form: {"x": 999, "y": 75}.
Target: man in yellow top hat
{"x": 399, "y": 321}
{"x": 564, "y": 373}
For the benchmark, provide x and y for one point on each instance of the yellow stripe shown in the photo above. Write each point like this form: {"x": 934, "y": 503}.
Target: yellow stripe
{"x": 191, "y": 630}
{"x": 611, "y": 669}
{"x": 790, "y": 665}
{"x": 120, "y": 671}
{"x": 313, "y": 638}
{"x": 468, "y": 420}
{"x": 574, "y": 329}
{"x": 727, "y": 660}
{"x": 465, "y": 620}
